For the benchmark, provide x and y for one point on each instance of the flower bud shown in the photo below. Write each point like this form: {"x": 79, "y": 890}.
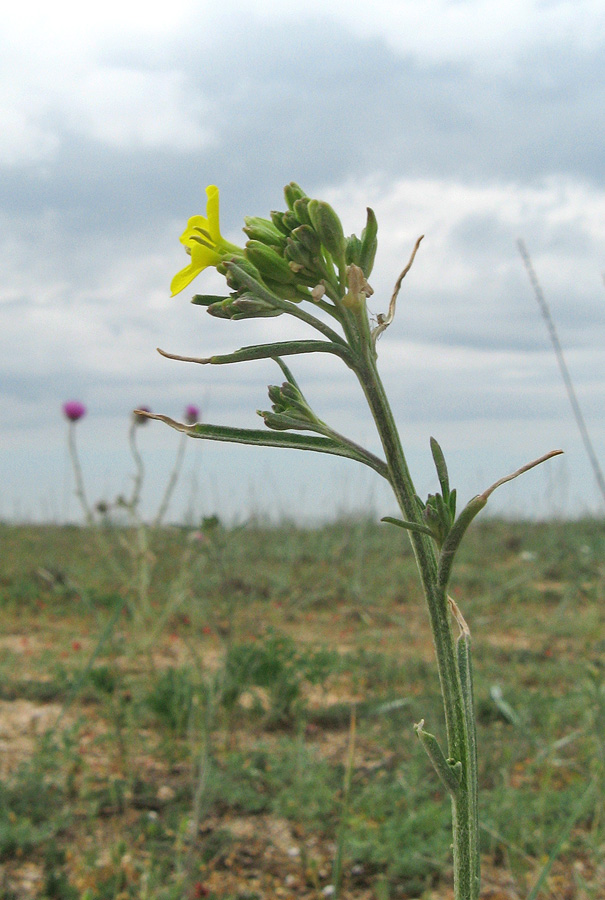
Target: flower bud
{"x": 275, "y": 421}
{"x": 301, "y": 210}
{"x": 297, "y": 254}
{"x": 369, "y": 244}
{"x": 438, "y": 517}
{"x": 206, "y": 299}
{"x": 244, "y": 306}
{"x": 269, "y": 263}
{"x": 277, "y": 218}
{"x": 290, "y": 406}
{"x": 289, "y": 221}
{"x": 192, "y": 414}
{"x": 328, "y": 227}
{"x": 263, "y": 230}
{"x": 74, "y": 410}
{"x": 306, "y": 236}
{"x": 232, "y": 276}
{"x": 293, "y": 292}
{"x": 292, "y": 193}
{"x": 275, "y": 395}
{"x": 353, "y": 250}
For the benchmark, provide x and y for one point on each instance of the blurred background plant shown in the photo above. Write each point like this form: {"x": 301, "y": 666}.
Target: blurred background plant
{"x": 119, "y": 522}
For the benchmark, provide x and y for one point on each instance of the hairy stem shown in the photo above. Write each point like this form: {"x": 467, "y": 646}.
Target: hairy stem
{"x": 455, "y": 684}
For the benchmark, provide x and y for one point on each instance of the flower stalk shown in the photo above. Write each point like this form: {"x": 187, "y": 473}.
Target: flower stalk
{"x": 302, "y": 255}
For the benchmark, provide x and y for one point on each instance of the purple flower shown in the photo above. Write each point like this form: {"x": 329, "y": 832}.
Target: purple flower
{"x": 192, "y": 414}
{"x": 74, "y": 410}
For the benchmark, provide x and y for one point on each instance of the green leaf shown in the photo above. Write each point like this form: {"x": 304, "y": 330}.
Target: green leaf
{"x": 409, "y": 526}
{"x": 280, "y": 348}
{"x": 440, "y": 465}
{"x": 452, "y": 503}
{"x": 456, "y": 533}
{"x": 447, "y": 770}
{"x": 287, "y": 373}
{"x": 262, "y": 438}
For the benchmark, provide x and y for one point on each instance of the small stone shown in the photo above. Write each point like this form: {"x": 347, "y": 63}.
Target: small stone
{"x": 165, "y": 793}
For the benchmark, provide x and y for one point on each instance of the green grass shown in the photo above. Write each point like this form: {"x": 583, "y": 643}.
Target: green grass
{"x": 211, "y": 761}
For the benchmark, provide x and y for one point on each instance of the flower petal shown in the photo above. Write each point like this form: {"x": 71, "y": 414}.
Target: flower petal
{"x": 201, "y": 258}
{"x": 194, "y": 223}
{"x": 212, "y": 212}
{"x": 183, "y": 278}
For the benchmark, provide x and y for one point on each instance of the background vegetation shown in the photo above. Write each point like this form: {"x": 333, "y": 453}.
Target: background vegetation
{"x": 241, "y": 726}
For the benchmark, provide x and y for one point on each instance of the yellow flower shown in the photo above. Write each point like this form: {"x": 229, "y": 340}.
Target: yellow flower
{"x": 204, "y": 243}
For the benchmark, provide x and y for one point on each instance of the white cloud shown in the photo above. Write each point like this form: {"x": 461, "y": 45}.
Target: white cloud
{"x": 133, "y": 109}
{"x": 562, "y": 219}
{"x": 68, "y": 22}
{"x": 56, "y": 71}
{"x": 487, "y": 33}
{"x": 24, "y": 141}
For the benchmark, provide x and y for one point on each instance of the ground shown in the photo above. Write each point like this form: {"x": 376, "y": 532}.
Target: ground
{"x": 180, "y": 716}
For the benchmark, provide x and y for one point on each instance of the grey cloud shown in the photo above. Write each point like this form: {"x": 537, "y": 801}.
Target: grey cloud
{"x": 318, "y": 106}
{"x": 315, "y": 104}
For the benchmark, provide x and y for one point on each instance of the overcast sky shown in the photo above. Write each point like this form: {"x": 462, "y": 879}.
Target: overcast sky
{"x": 474, "y": 122}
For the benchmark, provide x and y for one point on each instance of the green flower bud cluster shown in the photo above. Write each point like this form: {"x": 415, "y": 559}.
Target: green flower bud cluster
{"x": 242, "y": 303}
{"x": 289, "y": 410}
{"x": 312, "y": 241}
{"x": 298, "y": 254}
{"x": 309, "y": 237}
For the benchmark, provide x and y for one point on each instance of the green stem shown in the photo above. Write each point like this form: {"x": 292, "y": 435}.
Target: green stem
{"x": 77, "y": 470}
{"x": 170, "y": 486}
{"x": 139, "y": 467}
{"x": 455, "y": 702}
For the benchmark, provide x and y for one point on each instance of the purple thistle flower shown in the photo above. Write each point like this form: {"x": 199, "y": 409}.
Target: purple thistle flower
{"x": 74, "y": 410}
{"x": 192, "y": 414}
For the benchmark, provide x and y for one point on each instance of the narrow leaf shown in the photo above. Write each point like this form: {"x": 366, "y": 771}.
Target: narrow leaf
{"x": 440, "y": 465}
{"x": 409, "y": 526}
{"x": 453, "y": 539}
{"x": 448, "y": 773}
{"x": 452, "y": 503}
{"x": 266, "y": 351}
{"x": 474, "y": 506}
{"x": 525, "y": 468}
{"x": 262, "y": 438}
{"x": 287, "y": 373}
